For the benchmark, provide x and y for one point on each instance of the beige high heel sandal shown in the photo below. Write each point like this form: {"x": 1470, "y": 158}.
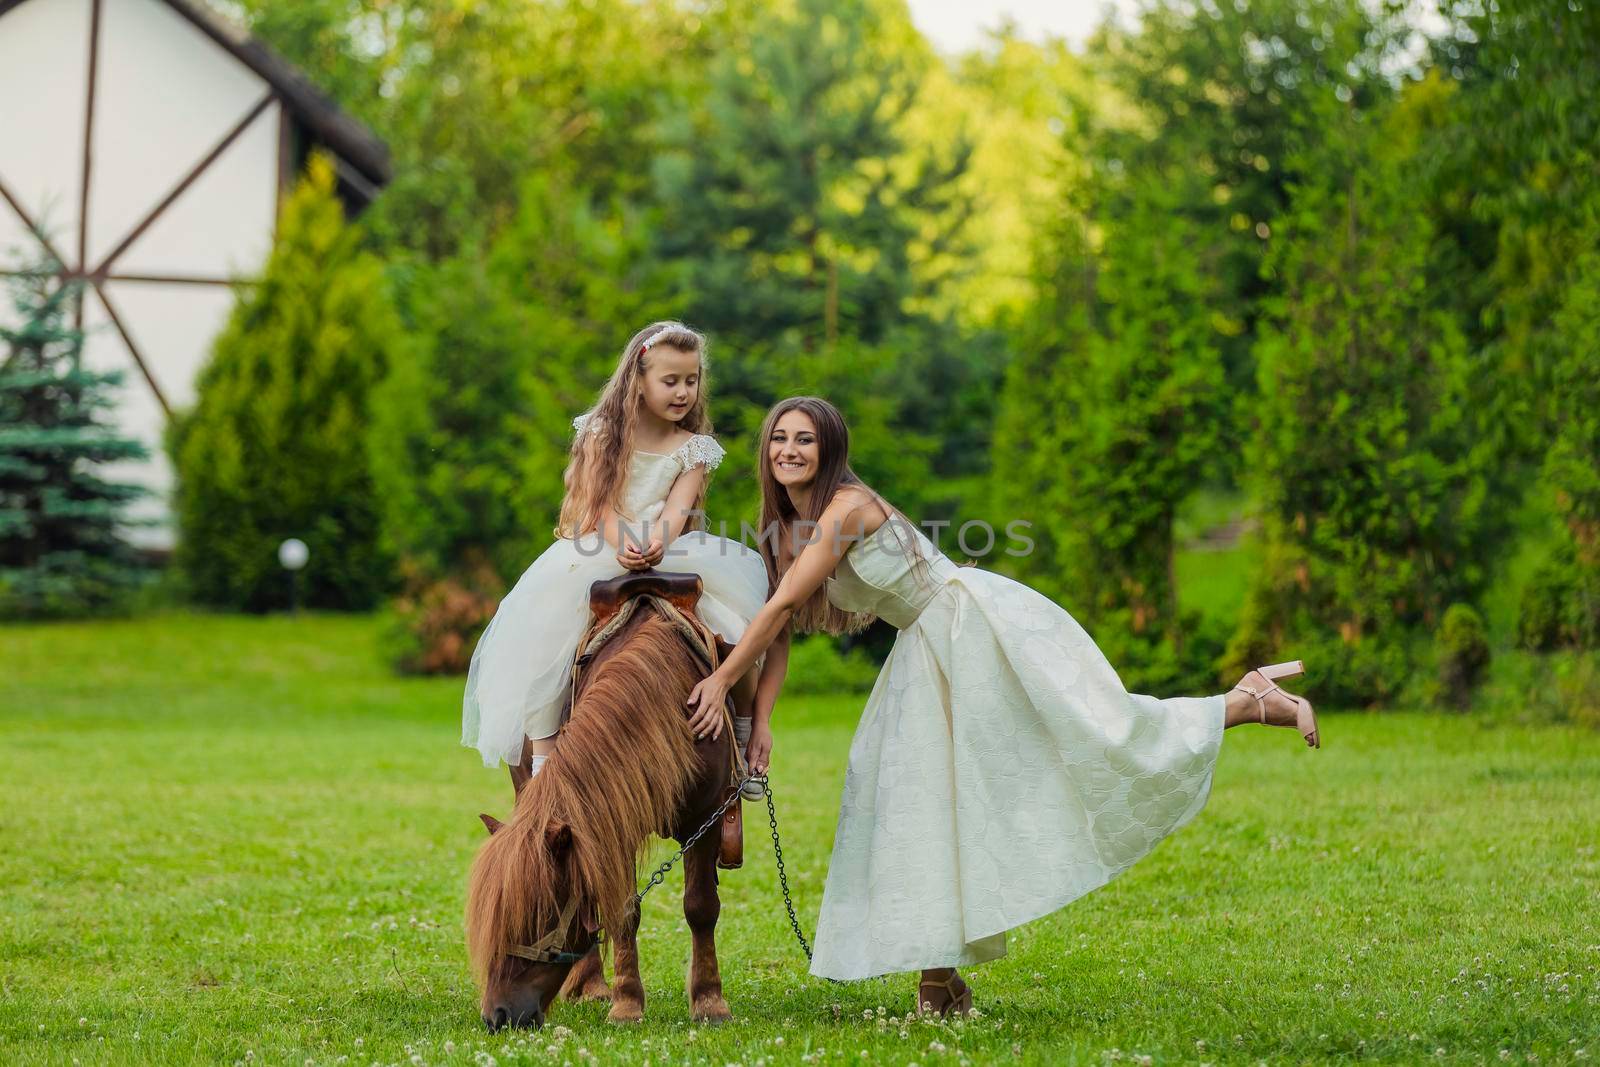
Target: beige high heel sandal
{"x": 1305, "y": 716}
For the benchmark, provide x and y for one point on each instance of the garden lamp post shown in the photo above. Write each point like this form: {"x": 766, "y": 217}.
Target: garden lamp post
{"x": 292, "y": 554}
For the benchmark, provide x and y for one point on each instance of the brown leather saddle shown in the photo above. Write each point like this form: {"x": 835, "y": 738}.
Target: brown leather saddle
{"x": 607, "y": 597}
{"x": 682, "y": 591}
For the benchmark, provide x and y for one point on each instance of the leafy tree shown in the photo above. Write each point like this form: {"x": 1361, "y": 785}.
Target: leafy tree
{"x": 472, "y": 427}
{"x": 474, "y": 98}
{"x": 1515, "y": 178}
{"x": 276, "y": 444}
{"x": 792, "y": 197}
{"x": 1520, "y": 156}
{"x": 1212, "y": 102}
{"x": 1372, "y": 484}
{"x": 1562, "y": 608}
{"x": 1103, "y": 435}
{"x": 62, "y": 550}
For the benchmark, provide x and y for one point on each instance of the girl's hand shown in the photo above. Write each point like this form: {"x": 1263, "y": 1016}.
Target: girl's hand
{"x": 758, "y": 754}
{"x": 706, "y": 701}
{"x": 634, "y": 558}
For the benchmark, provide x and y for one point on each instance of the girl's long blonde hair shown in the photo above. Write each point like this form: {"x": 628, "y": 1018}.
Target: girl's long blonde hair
{"x": 602, "y": 449}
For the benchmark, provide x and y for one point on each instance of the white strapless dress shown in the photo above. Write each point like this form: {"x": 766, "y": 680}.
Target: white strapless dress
{"x": 521, "y": 670}
{"x": 999, "y": 771}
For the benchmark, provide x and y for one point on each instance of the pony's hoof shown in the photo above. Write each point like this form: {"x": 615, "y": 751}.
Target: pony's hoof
{"x": 597, "y": 991}
{"x": 586, "y": 981}
{"x": 711, "y": 1010}
{"x": 623, "y": 1012}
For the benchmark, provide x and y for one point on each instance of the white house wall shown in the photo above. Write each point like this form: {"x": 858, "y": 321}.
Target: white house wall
{"x": 165, "y": 95}
{"x": 179, "y": 321}
{"x": 44, "y": 62}
{"x": 138, "y": 415}
{"x": 173, "y": 325}
{"x": 221, "y": 227}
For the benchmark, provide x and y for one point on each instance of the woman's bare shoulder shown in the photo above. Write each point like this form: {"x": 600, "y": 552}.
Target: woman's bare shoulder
{"x": 862, "y": 504}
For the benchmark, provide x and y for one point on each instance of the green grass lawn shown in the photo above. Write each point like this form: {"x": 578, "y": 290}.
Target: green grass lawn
{"x": 232, "y": 839}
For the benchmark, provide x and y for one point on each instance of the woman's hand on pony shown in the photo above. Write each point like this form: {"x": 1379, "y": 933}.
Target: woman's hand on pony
{"x": 706, "y": 701}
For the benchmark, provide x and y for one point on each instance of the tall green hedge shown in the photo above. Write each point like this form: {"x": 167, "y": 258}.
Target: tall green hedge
{"x": 275, "y": 446}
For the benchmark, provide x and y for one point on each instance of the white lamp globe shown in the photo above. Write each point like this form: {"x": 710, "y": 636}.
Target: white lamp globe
{"x": 293, "y": 554}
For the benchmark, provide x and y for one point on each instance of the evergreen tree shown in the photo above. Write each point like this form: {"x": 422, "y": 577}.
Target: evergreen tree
{"x": 813, "y": 236}
{"x": 276, "y": 446}
{"x": 792, "y": 193}
{"x": 61, "y": 551}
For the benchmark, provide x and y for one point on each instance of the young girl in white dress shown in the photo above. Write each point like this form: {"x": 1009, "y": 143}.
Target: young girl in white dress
{"x": 1000, "y": 769}
{"x": 635, "y": 490}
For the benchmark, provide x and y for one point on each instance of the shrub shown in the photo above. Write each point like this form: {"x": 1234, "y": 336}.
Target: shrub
{"x": 276, "y": 444}
{"x": 436, "y": 622}
{"x": 818, "y": 666}
{"x": 1463, "y": 650}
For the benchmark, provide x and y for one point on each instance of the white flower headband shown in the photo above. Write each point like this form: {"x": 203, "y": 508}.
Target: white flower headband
{"x": 655, "y": 338}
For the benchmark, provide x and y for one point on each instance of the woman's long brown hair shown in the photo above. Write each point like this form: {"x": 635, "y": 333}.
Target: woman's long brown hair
{"x": 601, "y": 452}
{"x": 779, "y": 515}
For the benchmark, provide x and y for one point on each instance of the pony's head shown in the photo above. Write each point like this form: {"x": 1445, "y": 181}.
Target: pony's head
{"x": 564, "y": 863}
{"x": 521, "y": 977}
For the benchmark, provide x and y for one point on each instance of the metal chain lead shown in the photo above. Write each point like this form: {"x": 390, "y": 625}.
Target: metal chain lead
{"x": 783, "y": 876}
{"x": 660, "y": 873}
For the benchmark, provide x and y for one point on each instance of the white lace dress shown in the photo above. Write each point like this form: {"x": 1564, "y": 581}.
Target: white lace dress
{"x": 999, "y": 771}
{"x": 522, "y": 667}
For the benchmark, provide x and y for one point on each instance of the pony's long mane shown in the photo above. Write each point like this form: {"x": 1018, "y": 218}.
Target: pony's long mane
{"x": 619, "y": 771}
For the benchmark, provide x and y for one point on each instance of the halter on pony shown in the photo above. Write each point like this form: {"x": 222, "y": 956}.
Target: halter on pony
{"x": 545, "y": 951}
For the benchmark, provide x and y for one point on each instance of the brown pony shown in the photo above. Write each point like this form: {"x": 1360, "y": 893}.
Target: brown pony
{"x": 625, "y": 766}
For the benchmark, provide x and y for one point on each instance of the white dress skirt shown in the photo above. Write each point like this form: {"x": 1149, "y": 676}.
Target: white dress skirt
{"x": 521, "y": 672}
{"x": 999, "y": 771}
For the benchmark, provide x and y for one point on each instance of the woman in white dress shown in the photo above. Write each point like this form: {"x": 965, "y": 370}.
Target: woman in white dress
{"x": 1000, "y": 769}
{"x": 635, "y": 490}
